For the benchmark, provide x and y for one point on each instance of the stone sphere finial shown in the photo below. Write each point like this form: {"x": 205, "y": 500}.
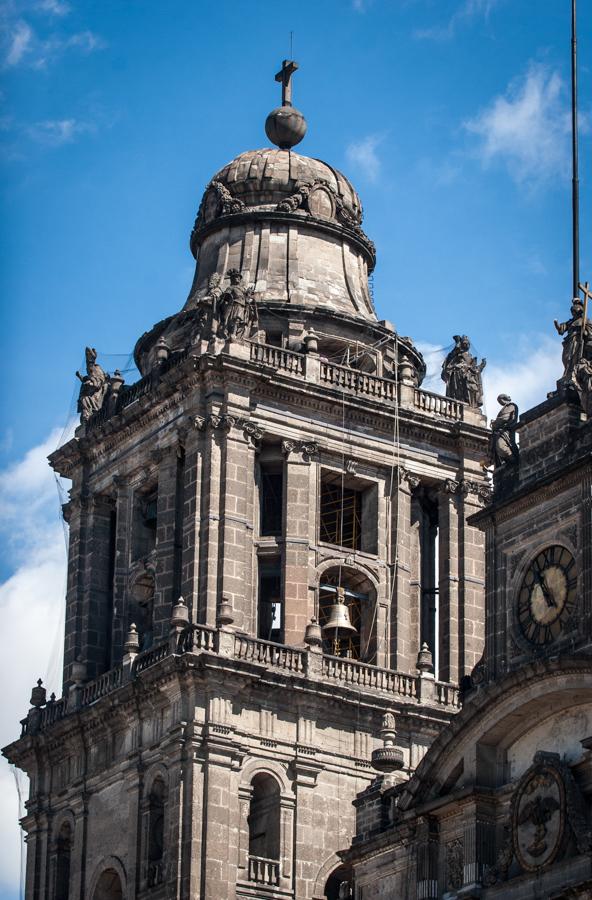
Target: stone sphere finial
{"x": 285, "y": 127}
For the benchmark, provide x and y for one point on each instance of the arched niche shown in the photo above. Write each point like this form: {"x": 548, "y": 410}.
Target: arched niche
{"x": 360, "y": 598}
{"x": 108, "y": 886}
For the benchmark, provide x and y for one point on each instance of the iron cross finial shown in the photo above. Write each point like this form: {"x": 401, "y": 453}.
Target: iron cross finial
{"x": 284, "y": 76}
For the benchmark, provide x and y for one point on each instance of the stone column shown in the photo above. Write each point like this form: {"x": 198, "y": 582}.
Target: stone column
{"x": 298, "y": 513}
{"x": 449, "y": 650}
{"x": 210, "y": 520}
{"x": 76, "y": 513}
{"x": 404, "y": 637}
{"x": 472, "y": 578}
{"x": 236, "y": 519}
{"x": 168, "y": 537}
{"x": 123, "y": 527}
{"x": 136, "y": 847}
{"x": 192, "y": 508}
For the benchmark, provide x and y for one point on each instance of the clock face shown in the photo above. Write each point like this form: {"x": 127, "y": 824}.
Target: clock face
{"x": 547, "y": 595}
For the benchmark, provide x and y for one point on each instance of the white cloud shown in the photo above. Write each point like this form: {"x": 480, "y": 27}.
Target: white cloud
{"x": 31, "y": 614}
{"x": 468, "y": 11}
{"x": 362, "y": 154}
{"x": 54, "y": 7}
{"x": 20, "y": 43}
{"x": 54, "y": 133}
{"x": 527, "y": 379}
{"x": 527, "y": 128}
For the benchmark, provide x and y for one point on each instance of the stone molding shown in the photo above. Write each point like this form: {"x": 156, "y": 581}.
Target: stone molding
{"x": 252, "y": 432}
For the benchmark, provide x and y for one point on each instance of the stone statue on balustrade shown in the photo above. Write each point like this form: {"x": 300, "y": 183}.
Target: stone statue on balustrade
{"x": 462, "y": 373}
{"x": 577, "y": 341}
{"x": 503, "y": 447}
{"x": 236, "y": 308}
{"x": 93, "y": 388}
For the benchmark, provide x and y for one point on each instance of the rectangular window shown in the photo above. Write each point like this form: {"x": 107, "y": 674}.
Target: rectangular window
{"x": 272, "y": 498}
{"x": 348, "y": 512}
{"x": 270, "y": 617}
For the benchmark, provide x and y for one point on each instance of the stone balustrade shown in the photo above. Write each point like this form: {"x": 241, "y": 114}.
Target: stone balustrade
{"x": 264, "y": 871}
{"x": 435, "y": 404}
{"x": 306, "y": 663}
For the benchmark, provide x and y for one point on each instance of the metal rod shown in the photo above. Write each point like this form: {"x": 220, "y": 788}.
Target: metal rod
{"x": 575, "y": 191}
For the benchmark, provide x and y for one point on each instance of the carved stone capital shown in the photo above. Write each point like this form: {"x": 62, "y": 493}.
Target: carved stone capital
{"x": 308, "y": 450}
{"x": 409, "y": 479}
{"x": 253, "y": 433}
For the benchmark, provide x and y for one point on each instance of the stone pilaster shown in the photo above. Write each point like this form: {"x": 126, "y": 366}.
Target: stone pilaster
{"x": 168, "y": 537}
{"x": 192, "y": 507}
{"x": 472, "y": 578}
{"x": 238, "y": 478}
{"x": 210, "y": 520}
{"x": 298, "y": 515}
{"x": 123, "y": 528}
{"x": 77, "y": 513}
{"x": 97, "y": 608}
{"x": 404, "y": 639}
{"x": 449, "y": 637}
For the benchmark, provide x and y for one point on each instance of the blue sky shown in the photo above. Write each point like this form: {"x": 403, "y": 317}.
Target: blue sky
{"x": 450, "y": 116}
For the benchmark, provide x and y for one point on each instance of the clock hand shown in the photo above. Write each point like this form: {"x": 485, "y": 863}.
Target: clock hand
{"x": 549, "y": 598}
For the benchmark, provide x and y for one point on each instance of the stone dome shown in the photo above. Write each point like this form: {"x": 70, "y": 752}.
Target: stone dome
{"x": 265, "y": 177}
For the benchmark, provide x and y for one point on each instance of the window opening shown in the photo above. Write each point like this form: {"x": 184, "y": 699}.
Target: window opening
{"x": 341, "y": 515}
{"x": 145, "y": 522}
{"x": 156, "y": 834}
{"x": 272, "y": 498}
{"x": 63, "y": 856}
{"x": 270, "y": 619}
{"x": 264, "y": 830}
{"x": 428, "y": 542}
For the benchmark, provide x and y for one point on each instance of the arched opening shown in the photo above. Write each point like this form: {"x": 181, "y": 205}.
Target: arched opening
{"x": 155, "y": 873}
{"x": 142, "y": 608}
{"x": 264, "y": 830}
{"x": 360, "y": 600}
{"x": 339, "y": 884}
{"x": 62, "y": 864}
{"x": 108, "y": 886}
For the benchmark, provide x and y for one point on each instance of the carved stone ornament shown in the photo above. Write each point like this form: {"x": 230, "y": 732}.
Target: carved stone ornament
{"x": 236, "y": 309}
{"x": 253, "y": 433}
{"x": 216, "y": 201}
{"x": 455, "y": 853}
{"x": 577, "y": 341}
{"x": 409, "y": 478}
{"x": 547, "y": 803}
{"x": 307, "y": 449}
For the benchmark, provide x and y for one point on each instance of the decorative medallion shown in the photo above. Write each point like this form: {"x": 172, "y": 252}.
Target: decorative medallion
{"x": 538, "y": 818}
{"x": 321, "y": 203}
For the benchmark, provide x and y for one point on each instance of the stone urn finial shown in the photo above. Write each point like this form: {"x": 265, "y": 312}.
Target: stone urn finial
{"x": 132, "y": 641}
{"x": 313, "y": 637}
{"x": 388, "y": 758}
{"x": 225, "y": 614}
{"x": 38, "y": 695}
{"x": 311, "y": 341}
{"x": 179, "y": 614}
{"x": 425, "y": 661}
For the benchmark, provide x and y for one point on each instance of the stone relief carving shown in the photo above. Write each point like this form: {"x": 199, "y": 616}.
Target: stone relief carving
{"x": 216, "y": 201}
{"x": 503, "y": 448}
{"x": 252, "y": 432}
{"x": 454, "y": 865}
{"x": 462, "y": 373}
{"x": 93, "y": 386}
{"x": 546, "y": 802}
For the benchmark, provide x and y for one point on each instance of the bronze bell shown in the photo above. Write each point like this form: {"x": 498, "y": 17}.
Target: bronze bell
{"x": 338, "y": 620}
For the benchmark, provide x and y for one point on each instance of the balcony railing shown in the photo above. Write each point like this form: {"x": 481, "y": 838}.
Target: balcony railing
{"x": 280, "y": 359}
{"x": 304, "y": 663}
{"x": 436, "y": 405}
{"x": 277, "y": 655}
{"x": 358, "y": 382}
{"x": 264, "y": 871}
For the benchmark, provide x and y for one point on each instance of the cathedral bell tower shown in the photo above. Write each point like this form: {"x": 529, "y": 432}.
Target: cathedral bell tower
{"x": 270, "y": 548}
